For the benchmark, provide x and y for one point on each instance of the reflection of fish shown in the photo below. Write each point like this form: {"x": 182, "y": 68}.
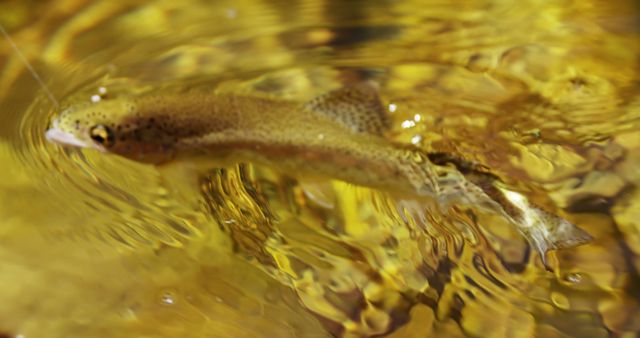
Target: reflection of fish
{"x": 335, "y": 135}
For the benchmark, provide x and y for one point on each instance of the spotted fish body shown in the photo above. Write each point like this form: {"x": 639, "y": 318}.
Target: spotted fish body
{"x": 335, "y": 135}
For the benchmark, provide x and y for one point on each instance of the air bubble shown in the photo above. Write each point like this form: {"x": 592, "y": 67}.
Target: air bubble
{"x": 573, "y": 277}
{"x": 168, "y": 298}
{"x": 408, "y": 124}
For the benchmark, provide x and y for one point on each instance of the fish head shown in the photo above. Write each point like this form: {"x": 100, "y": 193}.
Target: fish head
{"x": 115, "y": 126}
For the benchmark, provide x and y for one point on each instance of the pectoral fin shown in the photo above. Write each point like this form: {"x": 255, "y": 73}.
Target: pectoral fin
{"x": 356, "y": 107}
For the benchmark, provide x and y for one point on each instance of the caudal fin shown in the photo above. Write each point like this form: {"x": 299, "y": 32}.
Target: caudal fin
{"x": 543, "y": 230}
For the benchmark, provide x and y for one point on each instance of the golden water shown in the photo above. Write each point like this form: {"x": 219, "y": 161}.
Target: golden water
{"x": 544, "y": 92}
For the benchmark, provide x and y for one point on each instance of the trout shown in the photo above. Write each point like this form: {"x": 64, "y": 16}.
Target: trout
{"x": 337, "y": 135}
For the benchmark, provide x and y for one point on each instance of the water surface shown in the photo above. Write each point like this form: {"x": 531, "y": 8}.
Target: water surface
{"x": 544, "y": 93}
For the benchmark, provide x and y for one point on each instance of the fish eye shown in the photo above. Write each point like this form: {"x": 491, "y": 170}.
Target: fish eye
{"x": 102, "y": 135}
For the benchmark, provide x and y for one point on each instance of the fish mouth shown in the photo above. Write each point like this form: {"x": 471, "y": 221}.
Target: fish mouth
{"x": 60, "y": 137}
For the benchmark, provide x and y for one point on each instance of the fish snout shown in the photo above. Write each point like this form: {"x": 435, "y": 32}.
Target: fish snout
{"x": 60, "y": 137}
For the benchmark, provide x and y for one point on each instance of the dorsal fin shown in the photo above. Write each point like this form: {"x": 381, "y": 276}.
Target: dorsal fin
{"x": 357, "y": 107}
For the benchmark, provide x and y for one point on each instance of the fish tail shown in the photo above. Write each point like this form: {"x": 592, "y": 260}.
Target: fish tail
{"x": 546, "y": 231}
{"x": 543, "y": 230}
